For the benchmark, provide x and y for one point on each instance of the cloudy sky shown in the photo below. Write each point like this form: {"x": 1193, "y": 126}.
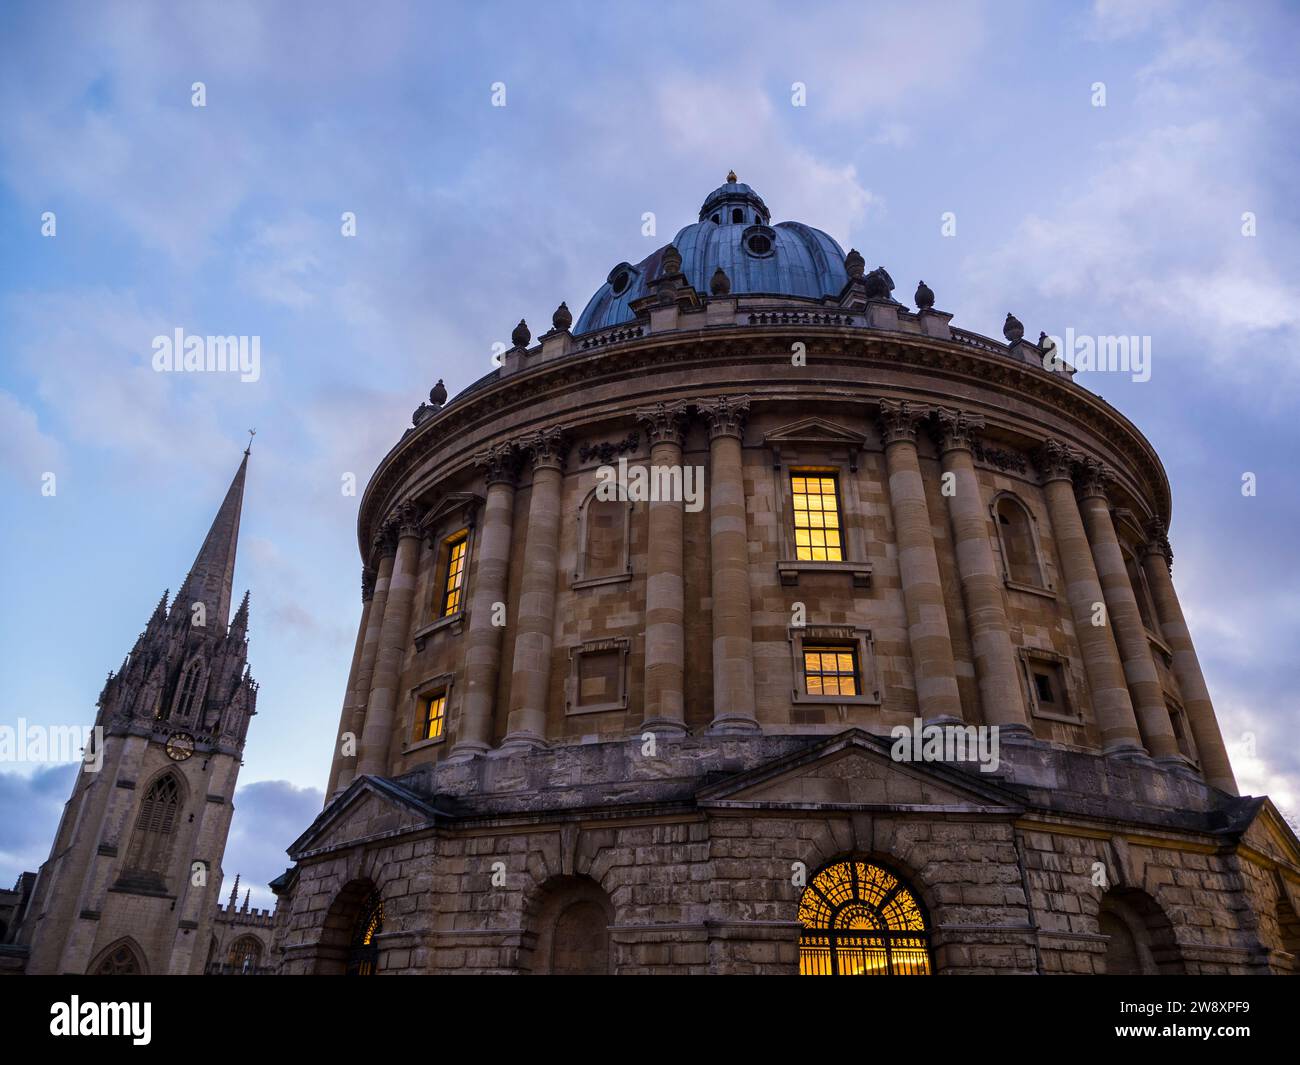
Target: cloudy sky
{"x": 226, "y": 219}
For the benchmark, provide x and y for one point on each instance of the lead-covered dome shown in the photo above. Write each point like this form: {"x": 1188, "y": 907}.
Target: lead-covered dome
{"x": 734, "y": 233}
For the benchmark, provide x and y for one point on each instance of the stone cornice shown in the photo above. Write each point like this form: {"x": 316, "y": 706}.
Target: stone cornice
{"x": 939, "y": 361}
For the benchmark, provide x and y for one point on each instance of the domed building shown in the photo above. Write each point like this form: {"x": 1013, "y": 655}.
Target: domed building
{"x": 758, "y": 623}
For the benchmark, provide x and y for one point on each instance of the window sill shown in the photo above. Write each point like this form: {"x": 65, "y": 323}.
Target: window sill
{"x": 454, "y": 622}
{"x": 595, "y": 708}
{"x": 420, "y": 745}
{"x": 1064, "y": 719}
{"x": 1160, "y": 646}
{"x": 1032, "y": 589}
{"x": 789, "y": 570}
{"x": 801, "y": 699}
{"x": 592, "y": 582}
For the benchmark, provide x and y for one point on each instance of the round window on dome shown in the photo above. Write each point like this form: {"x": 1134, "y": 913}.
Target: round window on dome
{"x": 758, "y": 241}
{"x": 620, "y": 282}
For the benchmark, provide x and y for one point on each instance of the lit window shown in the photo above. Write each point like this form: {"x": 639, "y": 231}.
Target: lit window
{"x": 816, "y": 518}
{"x": 432, "y": 718}
{"x": 452, "y": 587}
{"x": 858, "y": 919}
{"x": 830, "y": 670}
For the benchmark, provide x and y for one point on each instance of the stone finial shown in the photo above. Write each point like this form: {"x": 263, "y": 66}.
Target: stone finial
{"x": 854, "y": 263}
{"x": 562, "y": 318}
{"x": 438, "y": 394}
{"x": 720, "y": 283}
{"x": 670, "y": 262}
{"x": 731, "y": 177}
{"x": 1012, "y": 329}
{"x": 521, "y": 335}
{"x": 924, "y": 297}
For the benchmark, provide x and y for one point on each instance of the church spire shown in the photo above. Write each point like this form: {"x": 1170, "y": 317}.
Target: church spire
{"x": 211, "y": 577}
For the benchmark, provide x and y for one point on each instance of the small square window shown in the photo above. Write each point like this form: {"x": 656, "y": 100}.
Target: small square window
{"x": 1049, "y": 692}
{"x": 830, "y": 669}
{"x": 432, "y": 717}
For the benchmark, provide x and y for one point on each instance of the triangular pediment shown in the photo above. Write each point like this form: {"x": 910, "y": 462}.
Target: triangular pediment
{"x": 371, "y": 808}
{"x": 855, "y": 770}
{"x": 1270, "y": 835}
{"x": 814, "y": 431}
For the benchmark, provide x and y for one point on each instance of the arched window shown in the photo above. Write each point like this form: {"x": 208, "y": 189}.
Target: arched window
{"x": 604, "y": 529}
{"x": 245, "y": 956}
{"x": 120, "y": 959}
{"x": 363, "y": 955}
{"x": 859, "y": 919}
{"x": 737, "y": 215}
{"x": 189, "y": 689}
{"x": 155, "y": 830}
{"x": 1019, "y": 544}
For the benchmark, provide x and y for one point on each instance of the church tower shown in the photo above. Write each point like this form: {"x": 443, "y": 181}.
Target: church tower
{"x": 131, "y": 882}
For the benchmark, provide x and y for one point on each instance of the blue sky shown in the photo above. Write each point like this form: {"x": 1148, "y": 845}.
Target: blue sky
{"x": 225, "y": 219}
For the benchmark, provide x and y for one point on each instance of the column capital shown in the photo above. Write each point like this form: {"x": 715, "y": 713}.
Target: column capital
{"x": 384, "y": 544}
{"x": 726, "y": 415}
{"x": 1056, "y": 461}
{"x": 899, "y": 419}
{"x": 1094, "y": 479}
{"x": 1157, "y": 542}
{"x": 955, "y": 430}
{"x": 406, "y": 518}
{"x": 664, "y": 423}
{"x": 500, "y": 464}
{"x": 368, "y": 577}
{"x": 547, "y": 447}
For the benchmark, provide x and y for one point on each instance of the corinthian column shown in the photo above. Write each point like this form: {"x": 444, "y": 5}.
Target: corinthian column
{"x": 665, "y": 643}
{"x": 385, "y": 547}
{"x": 1121, "y": 604}
{"x": 1157, "y": 560}
{"x": 1101, "y": 662}
{"x": 530, "y": 678}
{"x": 1001, "y": 698}
{"x": 368, "y": 577}
{"x": 927, "y": 619}
{"x": 483, "y": 640}
{"x": 733, "y": 664}
{"x": 393, "y": 635}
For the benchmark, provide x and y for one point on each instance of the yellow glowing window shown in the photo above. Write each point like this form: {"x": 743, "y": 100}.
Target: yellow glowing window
{"x": 830, "y": 670}
{"x": 816, "y": 518}
{"x": 432, "y": 718}
{"x": 859, "y": 919}
{"x": 452, "y": 587}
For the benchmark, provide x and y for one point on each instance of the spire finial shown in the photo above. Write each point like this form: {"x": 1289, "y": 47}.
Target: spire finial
{"x": 251, "y": 433}
{"x": 234, "y": 892}
{"x": 731, "y": 177}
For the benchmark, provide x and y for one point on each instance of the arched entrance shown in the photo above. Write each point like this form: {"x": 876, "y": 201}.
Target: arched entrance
{"x": 349, "y": 942}
{"x": 860, "y": 919}
{"x": 572, "y": 925}
{"x": 122, "y": 958}
{"x": 1139, "y": 937}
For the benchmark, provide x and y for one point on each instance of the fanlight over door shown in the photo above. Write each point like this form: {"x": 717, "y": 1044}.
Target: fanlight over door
{"x": 859, "y": 919}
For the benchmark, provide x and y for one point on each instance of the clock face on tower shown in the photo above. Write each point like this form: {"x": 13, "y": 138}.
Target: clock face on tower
{"x": 180, "y": 746}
